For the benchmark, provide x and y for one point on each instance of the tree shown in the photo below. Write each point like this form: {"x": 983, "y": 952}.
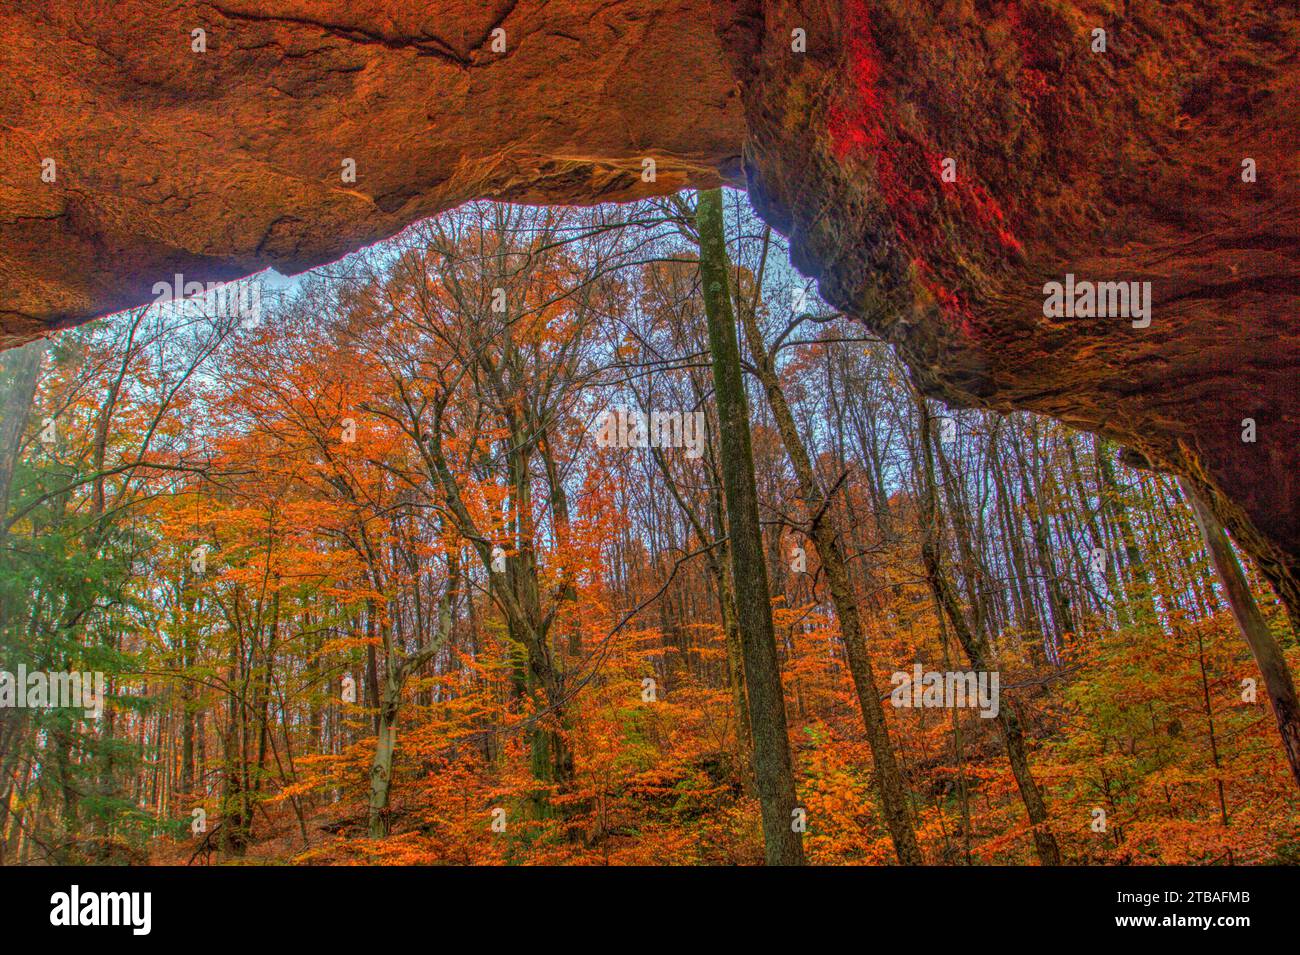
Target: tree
{"x": 772, "y": 765}
{"x": 817, "y": 504}
{"x": 1263, "y": 646}
{"x": 976, "y": 645}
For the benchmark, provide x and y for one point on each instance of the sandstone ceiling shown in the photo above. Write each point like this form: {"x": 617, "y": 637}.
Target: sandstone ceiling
{"x": 1122, "y": 165}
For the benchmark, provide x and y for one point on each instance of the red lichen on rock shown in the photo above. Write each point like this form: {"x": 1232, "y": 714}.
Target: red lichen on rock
{"x": 859, "y": 127}
{"x": 863, "y": 126}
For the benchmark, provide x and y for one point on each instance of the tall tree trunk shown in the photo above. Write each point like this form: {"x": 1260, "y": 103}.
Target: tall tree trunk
{"x": 1214, "y": 743}
{"x": 719, "y": 560}
{"x": 773, "y": 772}
{"x": 19, "y": 370}
{"x": 889, "y": 777}
{"x": 1095, "y": 535}
{"x": 1035, "y": 500}
{"x": 1029, "y": 621}
{"x": 976, "y": 647}
{"x": 1115, "y": 506}
{"x": 390, "y": 702}
{"x": 1268, "y": 655}
{"x": 381, "y": 768}
{"x": 974, "y": 574}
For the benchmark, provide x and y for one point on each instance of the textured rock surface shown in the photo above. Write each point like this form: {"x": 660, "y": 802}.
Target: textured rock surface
{"x": 1122, "y": 165}
{"x": 220, "y": 163}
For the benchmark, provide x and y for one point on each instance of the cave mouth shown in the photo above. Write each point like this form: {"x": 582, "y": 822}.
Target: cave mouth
{"x": 485, "y": 494}
{"x": 344, "y": 470}
{"x": 934, "y": 169}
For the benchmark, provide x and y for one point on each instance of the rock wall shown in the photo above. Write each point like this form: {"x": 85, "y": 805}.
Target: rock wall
{"x": 1128, "y": 165}
{"x": 220, "y": 163}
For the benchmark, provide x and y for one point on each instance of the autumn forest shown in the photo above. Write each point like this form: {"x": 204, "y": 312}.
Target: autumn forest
{"x": 592, "y": 536}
